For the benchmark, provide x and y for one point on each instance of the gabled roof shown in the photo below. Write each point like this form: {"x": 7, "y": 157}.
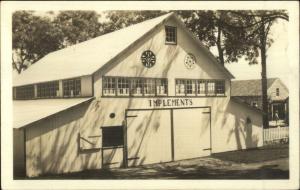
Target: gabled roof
{"x": 26, "y": 112}
{"x": 87, "y": 57}
{"x": 249, "y": 87}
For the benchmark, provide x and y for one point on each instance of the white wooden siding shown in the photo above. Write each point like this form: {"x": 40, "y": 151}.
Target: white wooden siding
{"x": 283, "y": 91}
{"x": 86, "y": 86}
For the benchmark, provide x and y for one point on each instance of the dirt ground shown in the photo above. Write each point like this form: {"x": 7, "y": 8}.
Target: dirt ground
{"x": 263, "y": 163}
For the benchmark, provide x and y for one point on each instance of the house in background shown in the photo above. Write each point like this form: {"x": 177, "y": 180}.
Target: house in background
{"x": 250, "y": 92}
{"x": 145, "y": 94}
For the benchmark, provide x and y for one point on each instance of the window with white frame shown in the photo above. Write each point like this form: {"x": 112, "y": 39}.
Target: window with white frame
{"x": 211, "y": 88}
{"x": 48, "y": 89}
{"x": 25, "y": 92}
{"x": 180, "y": 87}
{"x": 149, "y": 87}
{"x": 190, "y": 87}
{"x": 220, "y": 87}
{"x": 129, "y": 86}
{"x": 123, "y": 87}
{"x": 136, "y": 88}
{"x": 161, "y": 87}
{"x": 72, "y": 87}
{"x": 277, "y": 91}
{"x": 171, "y": 35}
{"x": 109, "y": 86}
{"x": 201, "y": 88}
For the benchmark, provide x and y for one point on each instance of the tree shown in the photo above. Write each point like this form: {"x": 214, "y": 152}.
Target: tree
{"x": 237, "y": 34}
{"x": 218, "y": 29}
{"x": 258, "y": 26}
{"x": 121, "y": 19}
{"x": 78, "y": 26}
{"x": 33, "y": 37}
{"x": 265, "y": 20}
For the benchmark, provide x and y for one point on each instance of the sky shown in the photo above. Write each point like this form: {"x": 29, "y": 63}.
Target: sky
{"x": 277, "y": 56}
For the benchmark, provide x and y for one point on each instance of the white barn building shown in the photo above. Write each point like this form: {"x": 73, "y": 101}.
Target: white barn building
{"x": 148, "y": 93}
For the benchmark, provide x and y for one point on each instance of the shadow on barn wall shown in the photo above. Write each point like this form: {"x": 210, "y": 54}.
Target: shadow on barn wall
{"x": 57, "y": 132}
{"x": 244, "y": 124}
{"x": 52, "y": 145}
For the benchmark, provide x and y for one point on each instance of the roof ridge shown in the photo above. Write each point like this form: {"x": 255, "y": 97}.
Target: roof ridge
{"x": 273, "y": 78}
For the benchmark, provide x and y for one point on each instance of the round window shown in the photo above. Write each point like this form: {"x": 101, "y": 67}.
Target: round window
{"x": 112, "y": 115}
{"x": 190, "y": 61}
{"x": 148, "y": 59}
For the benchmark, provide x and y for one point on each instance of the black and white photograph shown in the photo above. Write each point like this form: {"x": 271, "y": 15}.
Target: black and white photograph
{"x": 185, "y": 96}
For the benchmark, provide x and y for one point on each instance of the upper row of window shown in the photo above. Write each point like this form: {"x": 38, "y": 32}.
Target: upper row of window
{"x": 71, "y": 88}
{"x": 127, "y": 86}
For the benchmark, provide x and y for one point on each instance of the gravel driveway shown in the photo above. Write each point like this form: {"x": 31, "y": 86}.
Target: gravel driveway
{"x": 262, "y": 163}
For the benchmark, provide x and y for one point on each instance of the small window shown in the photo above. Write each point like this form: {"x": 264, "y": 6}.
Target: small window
{"x": 201, "y": 88}
{"x": 190, "y": 87}
{"x": 109, "y": 86}
{"x": 180, "y": 87}
{"x": 171, "y": 35}
{"x": 211, "y": 88}
{"x": 161, "y": 87}
{"x": 220, "y": 88}
{"x": 123, "y": 87}
{"x": 277, "y": 91}
{"x": 48, "y": 90}
{"x": 25, "y": 92}
{"x": 149, "y": 87}
{"x": 112, "y": 136}
{"x": 136, "y": 87}
{"x": 72, "y": 87}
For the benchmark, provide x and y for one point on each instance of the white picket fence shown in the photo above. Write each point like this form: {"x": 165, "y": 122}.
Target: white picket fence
{"x": 276, "y": 134}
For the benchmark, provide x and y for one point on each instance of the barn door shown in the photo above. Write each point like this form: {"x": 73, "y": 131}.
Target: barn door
{"x": 148, "y": 137}
{"x": 191, "y": 133}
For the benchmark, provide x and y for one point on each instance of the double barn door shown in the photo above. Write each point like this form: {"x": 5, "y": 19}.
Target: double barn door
{"x": 163, "y": 135}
